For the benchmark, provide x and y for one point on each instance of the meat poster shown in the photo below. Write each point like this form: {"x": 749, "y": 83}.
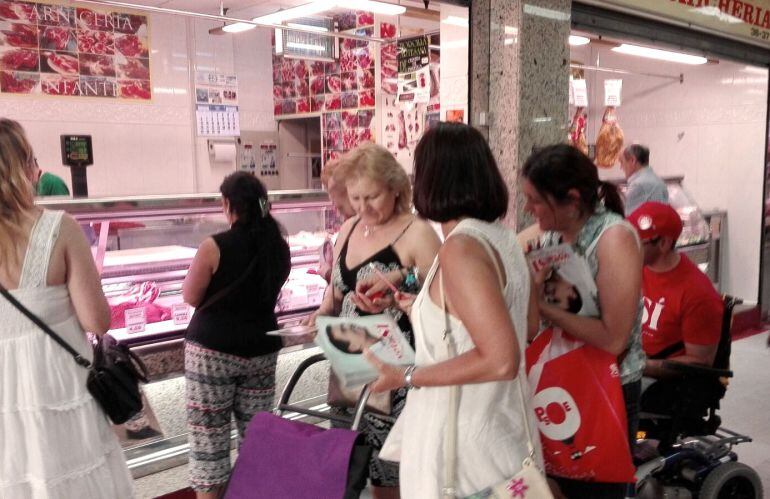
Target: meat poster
{"x": 60, "y": 50}
{"x": 414, "y": 76}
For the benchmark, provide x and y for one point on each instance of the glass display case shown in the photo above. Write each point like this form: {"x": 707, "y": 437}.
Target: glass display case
{"x": 143, "y": 247}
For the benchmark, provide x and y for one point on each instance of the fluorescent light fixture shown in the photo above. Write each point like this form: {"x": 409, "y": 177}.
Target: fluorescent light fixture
{"x": 320, "y": 29}
{"x": 663, "y": 55}
{"x": 305, "y": 46}
{"x": 456, "y": 21}
{"x": 715, "y": 12}
{"x": 237, "y": 27}
{"x": 556, "y": 15}
{"x": 578, "y": 40}
{"x": 318, "y": 6}
{"x": 755, "y": 70}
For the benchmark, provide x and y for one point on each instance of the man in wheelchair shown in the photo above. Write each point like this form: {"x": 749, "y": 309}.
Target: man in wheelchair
{"x": 682, "y": 322}
{"x": 686, "y": 336}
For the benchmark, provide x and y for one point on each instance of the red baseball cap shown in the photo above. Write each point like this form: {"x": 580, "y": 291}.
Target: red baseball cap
{"x": 654, "y": 219}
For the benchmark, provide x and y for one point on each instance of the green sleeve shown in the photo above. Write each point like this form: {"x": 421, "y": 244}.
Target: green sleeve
{"x": 51, "y": 185}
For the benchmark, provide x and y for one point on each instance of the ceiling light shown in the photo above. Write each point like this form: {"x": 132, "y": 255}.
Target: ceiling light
{"x": 238, "y": 27}
{"x": 456, "y": 21}
{"x": 318, "y": 6}
{"x": 578, "y": 40}
{"x": 663, "y": 55}
{"x": 308, "y": 27}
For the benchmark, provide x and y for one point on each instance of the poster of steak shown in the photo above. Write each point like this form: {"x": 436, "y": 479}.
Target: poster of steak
{"x": 60, "y": 50}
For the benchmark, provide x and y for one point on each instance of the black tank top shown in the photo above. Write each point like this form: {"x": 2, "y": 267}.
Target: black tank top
{"x": 236, "y": 324}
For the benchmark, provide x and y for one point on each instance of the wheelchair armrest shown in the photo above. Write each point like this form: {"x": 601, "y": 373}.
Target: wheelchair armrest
{"x": 696, "y": 369}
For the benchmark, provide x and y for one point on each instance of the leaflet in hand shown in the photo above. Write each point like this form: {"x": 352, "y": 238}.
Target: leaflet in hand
{"x": 570, "y": 284}
{"x": 343, "y": 339}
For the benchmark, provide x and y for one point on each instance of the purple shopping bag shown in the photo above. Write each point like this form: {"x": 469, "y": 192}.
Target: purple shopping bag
{"x": 279, "y": 458}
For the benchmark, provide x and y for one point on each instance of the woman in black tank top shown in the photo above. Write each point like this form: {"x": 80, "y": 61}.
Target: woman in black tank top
{"x": 234, "y": 282}
{"x": 386, "y": 235}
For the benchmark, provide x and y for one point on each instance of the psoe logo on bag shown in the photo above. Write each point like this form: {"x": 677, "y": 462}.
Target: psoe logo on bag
{"x": 557, "y": 413}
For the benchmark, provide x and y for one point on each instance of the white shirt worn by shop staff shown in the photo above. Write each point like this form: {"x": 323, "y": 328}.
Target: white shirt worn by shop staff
{"x": 643, "y": 186}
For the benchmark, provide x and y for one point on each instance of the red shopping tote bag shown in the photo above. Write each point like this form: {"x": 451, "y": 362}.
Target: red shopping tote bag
{"x": 579, "y": 407}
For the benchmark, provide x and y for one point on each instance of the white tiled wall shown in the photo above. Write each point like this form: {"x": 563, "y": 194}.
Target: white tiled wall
{"x": 710, "y": 129}
{"x": 150, "y": 148}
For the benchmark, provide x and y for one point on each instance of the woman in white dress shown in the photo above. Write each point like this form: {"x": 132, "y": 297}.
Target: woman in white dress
{"x": 55, "y": 441}
{"x": 457, "y": 183}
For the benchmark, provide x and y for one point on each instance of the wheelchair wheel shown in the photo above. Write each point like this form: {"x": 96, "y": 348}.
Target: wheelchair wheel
{"x": 731, "y": 480}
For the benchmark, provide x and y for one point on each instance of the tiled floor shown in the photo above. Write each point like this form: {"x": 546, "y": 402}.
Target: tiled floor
{"x": 746, "y": 410}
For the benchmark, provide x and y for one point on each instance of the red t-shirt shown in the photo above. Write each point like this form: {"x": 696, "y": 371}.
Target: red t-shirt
{"x": 680, "y": 305}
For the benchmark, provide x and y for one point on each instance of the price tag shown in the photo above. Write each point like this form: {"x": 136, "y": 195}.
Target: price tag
{"x": 181, "y": 313}
{"x": 136, "y": 320}
{"x": 612, "y": 92}
{"x": 571, "y": 91}
{"x": 580, "y": 93}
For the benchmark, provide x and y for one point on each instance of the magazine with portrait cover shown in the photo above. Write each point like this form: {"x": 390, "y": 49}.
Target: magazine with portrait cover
{"x": 569, "y": 282}
{"x": 343, "y": 339}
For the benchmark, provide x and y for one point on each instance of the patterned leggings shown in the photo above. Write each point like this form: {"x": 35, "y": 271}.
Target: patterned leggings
{"x": 221, "y": 385}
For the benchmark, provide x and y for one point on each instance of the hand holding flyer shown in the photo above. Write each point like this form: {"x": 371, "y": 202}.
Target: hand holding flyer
{"x": 343, "y": 340}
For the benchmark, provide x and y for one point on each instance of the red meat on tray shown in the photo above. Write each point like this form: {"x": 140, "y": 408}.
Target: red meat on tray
{"x": 20, "y": 59}
{"x": 348, "y": 61}
{"x": 135, "y": 69}
{"x": 96, "y": 65}
{"x": 316, "y": 85}
{"x": 303, "y": 105}
{"x": 349, "y": 139}
{"x": 56, "y": 38}
{"x": 316, "y": 68}
{"x": 364, "y": 58}
{"x": 96, "y": 42}
{"x": 333, "y": 84}
{"x": 131, "y": 46}
{"x": 18, "y": 11}
{"x": 364, "y": 18}
{"x": 21, "y": 36}
{"x": 64, "y": 64}
{"x": 350, "y": 119}
{"x": 366, "y": 98}
{"x": 333, "y": 102}
{"x": 300, "y": 69}
{"x": 302, "y": 88}
{"x": 135, "y": 89}
{"x": 17, "y": 83}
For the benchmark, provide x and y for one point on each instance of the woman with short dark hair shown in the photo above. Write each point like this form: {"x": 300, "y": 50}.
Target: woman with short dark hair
{"x": 571, "y": 204}
{"x": 481, "y": 281}
{"x": 234, "y": 282}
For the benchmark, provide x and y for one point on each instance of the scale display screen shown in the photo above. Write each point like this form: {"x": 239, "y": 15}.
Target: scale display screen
{"x": 76, "y": 150}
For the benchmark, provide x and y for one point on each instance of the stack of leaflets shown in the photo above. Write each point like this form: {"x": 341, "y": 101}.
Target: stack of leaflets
{"x": 569, "y": 282}
{"x": 343, "y": 340}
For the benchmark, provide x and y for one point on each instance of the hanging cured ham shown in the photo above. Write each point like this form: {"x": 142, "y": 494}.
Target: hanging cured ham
{"x": 577, "y": 132}
{"x": 609, "y": 142}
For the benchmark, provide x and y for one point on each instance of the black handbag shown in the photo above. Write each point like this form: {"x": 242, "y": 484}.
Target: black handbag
{"x": 113, "y": 375}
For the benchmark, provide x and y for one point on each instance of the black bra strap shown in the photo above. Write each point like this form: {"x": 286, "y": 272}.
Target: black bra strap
{"x": 402, "y": 232}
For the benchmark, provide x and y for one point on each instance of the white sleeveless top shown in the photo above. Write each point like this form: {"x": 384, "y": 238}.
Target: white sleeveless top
{"x": 55, "y": 441}
{"x": 492, "y": 440}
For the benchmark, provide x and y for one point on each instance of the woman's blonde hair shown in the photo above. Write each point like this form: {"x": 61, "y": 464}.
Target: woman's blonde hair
{"x": 17, "y": 196}
{"x": 377, "y": 163}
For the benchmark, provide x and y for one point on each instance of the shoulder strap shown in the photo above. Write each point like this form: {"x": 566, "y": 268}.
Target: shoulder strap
{"x": 620, "y": 223}
{"x": 344, "y": 249}
{"x": 42, "y": 237}
{"x": 82, "y": 361}
{"x": 230, "y": 287}
{"x": 402, "y": 232}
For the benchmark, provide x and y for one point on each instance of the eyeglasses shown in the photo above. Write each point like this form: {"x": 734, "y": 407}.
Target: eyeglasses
{"x": 653, "y": 241}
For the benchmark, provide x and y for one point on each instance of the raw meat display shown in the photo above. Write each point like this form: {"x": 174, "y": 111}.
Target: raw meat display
{"x": 332, "y": 121}
{"x": 365, "y": 118}
{"x": 60, "y": 85}
{"x": 364, "y": 58}
{"x": 364, "y": 18}
{"x": 140, "y": 296}
{"x": 387, "y": 30}
{"x": 135, "y": 69}
{"x": 317, "y": 103}
{"x": 64, "y": 64}
{"x": 577, "y": 132}
{"x": 349, "y": 81}
{"x": 300, "y": 69}
{"x": 348, "y": 61}
{"x": 366, "y": 79}
{"x": 277, "y": 91}
{"x": 303, "y": 105}
{"x": 131, "y": 46}
{"x": 333, "y": 84}
{"x": 349, "y": 139}
{"x": 333, "y": 102}
{"x": 609, "y": 142}
{"x": 287, "y": 71}
{"x": 317, "y": 68}
{"x": 20, "y": 35}
{"x": 289, "y": 90}
{"x": 96, "y": 42}
{"x": 401, "y": 130}
{"x": 20, "y": 59}
{"x": 349, "y": 100}
{"x": 96, "y": 65}
{"x": 18, "y": 11}
{"x": 367, "y": 98}
{"x": 18, "y": 83}
{"x": 317, "y": 85}
{"x": 364, "y": 135}
{"x": 350, "y": 119}
{"x": 56, "y": 38}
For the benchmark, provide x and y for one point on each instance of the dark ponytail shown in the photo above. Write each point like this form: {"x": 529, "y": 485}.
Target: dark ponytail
{"x": 248, "y": 200}
{"x": 559, "y": 168}
{"x": 610, "y": 195}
